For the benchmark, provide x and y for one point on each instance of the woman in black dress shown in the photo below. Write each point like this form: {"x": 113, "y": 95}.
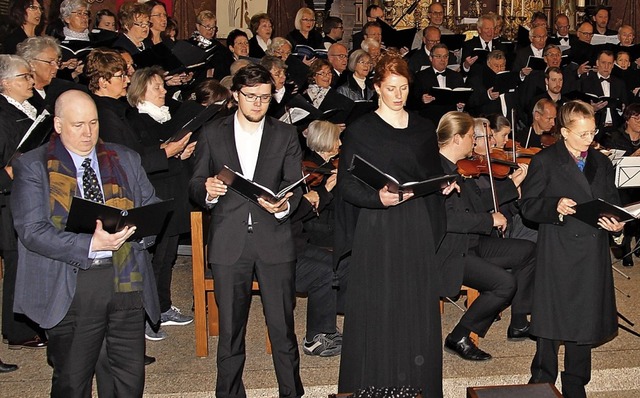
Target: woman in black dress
{"x": 574, "y": 300}
{"x": 392, "y": 331}
{"x": 305, "y": 32}
{"x": 262, "y": 28}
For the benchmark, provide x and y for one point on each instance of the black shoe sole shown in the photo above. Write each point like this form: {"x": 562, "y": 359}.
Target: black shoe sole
{"x": 456, "y": 353}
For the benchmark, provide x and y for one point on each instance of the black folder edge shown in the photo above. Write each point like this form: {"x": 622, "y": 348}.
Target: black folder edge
{"x": 84, "y": 213}
{"x": 250, "y": 189}
{"x": 450, "y": 97}
{"x": 376, "y": 179}
{"x": 197, "y": 121}
{"x": 590, "y": 212}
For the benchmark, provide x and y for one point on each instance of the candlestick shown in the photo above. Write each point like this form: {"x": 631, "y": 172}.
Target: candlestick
{"x": 522, "y": 9}
{"x": 500, "y": 7}
{"x": 580, "y": 3}
{"x": 512, "y": 1}
{"x": 459, "y": 14}
{"x": 446, "y": 12}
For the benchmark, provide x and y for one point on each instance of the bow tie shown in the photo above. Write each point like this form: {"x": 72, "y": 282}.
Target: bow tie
{"x": 604, "y": 79}
{"x": 440, "y": 74}
{"x": 566, "y": 38}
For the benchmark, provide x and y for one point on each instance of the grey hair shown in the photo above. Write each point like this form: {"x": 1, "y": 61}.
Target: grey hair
{"x": 67, "y": 6}
{"x": 369, "y": 43}
{"x": 32, "y": 47}
{"x": 276, "y": 43}
{"x": 9, "y": 65}
{"x": 355, "y": 57}
{"x": 478, "y": 126}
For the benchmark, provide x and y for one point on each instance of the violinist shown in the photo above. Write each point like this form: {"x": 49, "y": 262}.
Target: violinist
{"x": 544, "y": 118}
{"x": 627, "y": 138}
{"x": 312, "y": 228}
{"x": 473, "y": 256}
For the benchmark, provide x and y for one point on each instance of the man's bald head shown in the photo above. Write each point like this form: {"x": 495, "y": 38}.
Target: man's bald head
{"x": 76, "y": 122}
{"x": 72, "y": 99}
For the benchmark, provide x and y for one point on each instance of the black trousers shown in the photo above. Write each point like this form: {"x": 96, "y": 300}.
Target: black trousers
{"x": 577, "y": 366}
{"x": 233, "y": 295}
{"x": 485, "y": 269}
{"x": 98, "y": 315}
{"x": 314, "y": 276}
{"x": 164, "y": 252}
{"x": 16, "y": 328}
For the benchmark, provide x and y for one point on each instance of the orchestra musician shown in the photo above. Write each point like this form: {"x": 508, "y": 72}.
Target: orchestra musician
{"x": 544, "y": 118}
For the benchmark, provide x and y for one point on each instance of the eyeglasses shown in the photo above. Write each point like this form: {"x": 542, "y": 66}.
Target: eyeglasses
{"x": 241, "y": 43}
{"x": 161, "y": 15}
{"x": 53, "y": 62}
{"x": 539, "y": 37}
{"x": 122, "y": 76}
{"x": 437, "y": 13}
{"x": 142, "y": 25}
{"x": 441, "y": 56}
{"x": 34, "y": 7}
{"x": 323, "y": 74}
{"x": 207, "y": 27}
{"x": 264, "y": 98}
{"x": 585, "y": 134}
{"x": 585, "y": 33}
{"x": 82, "y": 14}
{"x": 26, "y": 76}
{"x": 340, "y": 56}
{"x": 282, "y": 53}
{"x": 368, "y": 63}
{"x": 308, "y": 20}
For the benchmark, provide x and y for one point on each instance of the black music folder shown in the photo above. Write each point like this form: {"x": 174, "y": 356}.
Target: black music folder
{"x": 37, "y": 134}
{"x": 148, "y": 220}
{"x": 392, "y": 37}
{"x": 377, "y": 179}
{"x": 590, "y": 212}
{"x": 194, "y": 124}
{"x": 450, "y": 96}
{"x": 252, "y": 190}
{"x": 536, "y": 63}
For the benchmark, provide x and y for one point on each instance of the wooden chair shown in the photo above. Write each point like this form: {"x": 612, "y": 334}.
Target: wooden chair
{"x": 472, "y": 295}
{"x": 203, "y": 298}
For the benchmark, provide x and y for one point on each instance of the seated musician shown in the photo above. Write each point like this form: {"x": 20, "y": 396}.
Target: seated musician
{"x": 544, "y": 118}
{"x": 312, "y": 227}
{"x": 469, "y": 251}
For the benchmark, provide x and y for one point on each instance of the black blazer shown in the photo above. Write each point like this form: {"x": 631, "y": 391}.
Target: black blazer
{"x": 469, "y": 45}
{"x": 255, "y": 51}
{"x": 423, "y": 83}
{"x": 480, "y": 103}
{"x": 52, "y": 92}
{"x": 278, "y": 165}
{"x": 314, "y": 40}
{"x": 418, "y": 60}
{"x": 522, "y": 56}
{"x": 12, "y": 40}
{"x": 590, "y": 83}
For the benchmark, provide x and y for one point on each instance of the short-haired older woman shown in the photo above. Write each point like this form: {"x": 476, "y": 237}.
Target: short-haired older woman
{"x": 574, "y": 299}
{"x": 134, "y": 25}
{"x": 261, "y": 26}
{"x": 152, "y": 121}
{"x": 305, "y": 32}
{"x": 323, "y": 97}
{"x": 16, "y": 115}
{"x": 44, "y": 55}
{"x": 297, "y": 71}
{"x": 283, "y": 93}
{"x": 358, "y": 87}
{"x": 220, "y": 58}
{"x": 75, "y": 15}
{"x": 409, "y": 280}
{"x": 27, "y": 18}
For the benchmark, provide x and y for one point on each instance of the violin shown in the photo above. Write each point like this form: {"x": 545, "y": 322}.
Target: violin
{"x": 478, "y": 165}
{"x": 548, "y": 139}
{"x": 522, "y": 155}
{"x": 318, "y": 172}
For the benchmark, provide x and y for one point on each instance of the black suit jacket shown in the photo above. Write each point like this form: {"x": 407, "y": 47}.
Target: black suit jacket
{"x": 590, "y": 83}
{"x": 423, "y": 83}
{"x": 278, "y": 165}
{"x": 469, "y": 45}
{"x": 255, "y": 51}
{"x": 480, "y": 103}
{"x": 522, "y": 56}
{"x": 418, "y": 60}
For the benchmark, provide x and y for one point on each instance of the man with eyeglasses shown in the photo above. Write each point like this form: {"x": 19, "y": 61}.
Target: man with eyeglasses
{"x": 603, "y": 84}
{"x": 338, "y": 58}
{"x": 436, "y": 19}
{"x": 438, "y": 75}
{"x": 421, "y": 59}
{"x": 248, "y": 238}
{"x": 562, "y": 26}
{"x": 538, "y": 38}
{"x": 333, "y": 29}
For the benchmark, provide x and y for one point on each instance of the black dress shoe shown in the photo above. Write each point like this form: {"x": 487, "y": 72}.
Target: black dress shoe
{"x": 34, "y": 343}
{"x": 627, "y": 261}
{"x": 148, "y": 360}
{"x": 465, "y": 349}
{"x": 7, "y": 367}
{"x": 518, "y": 334}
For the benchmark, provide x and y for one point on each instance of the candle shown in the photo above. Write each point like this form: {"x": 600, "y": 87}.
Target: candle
{"x": 446, "y": 11}
{"x": 512, "y": 1}
{"x": 500, "y": 7}
{"x": 459, "y": 14}
{"x": 580, "y": 3}
{"x": 522, "y": 9}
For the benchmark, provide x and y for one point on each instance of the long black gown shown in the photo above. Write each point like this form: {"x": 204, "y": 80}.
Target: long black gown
{"x": 392, "y": 332}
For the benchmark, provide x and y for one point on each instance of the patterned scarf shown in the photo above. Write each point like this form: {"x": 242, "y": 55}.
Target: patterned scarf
{"x": 317, "y": 94}
{"x": 63, "y": 186}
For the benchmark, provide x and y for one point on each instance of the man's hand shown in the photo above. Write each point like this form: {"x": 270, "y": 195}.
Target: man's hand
{"x": 103, "y": 240}
{"x": 524, "y": 72}
{"x": 331, "y": 182}
{"x": 9, "y": 170}
{"x": 392, "y": 199}
{"x": 565, "y": 206}
{"x": 277, "y": 207}
{"x": 599, "y": 105}
{"x": 469, "y": 61}
{"x": 493, "y": 95}
{"x": 188, "y": 150}
{"x": 427, "y": 99}
{"x": 215, "y": 188}
{"x": 308, "y": 62}
{"x": 313, "y": 198}
{"x": 584, "y": 68}
{"x": 499, "y": 221}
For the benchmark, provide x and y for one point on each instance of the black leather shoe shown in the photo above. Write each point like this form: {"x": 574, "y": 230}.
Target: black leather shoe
{"x": 148, "y": 360}
{"x": 518, "y": 334}
{"x": 7, "y": 367}
{"x": 627, "y": 261}
{"x": 34, "y": 343}
{"x": 465, "y": 349}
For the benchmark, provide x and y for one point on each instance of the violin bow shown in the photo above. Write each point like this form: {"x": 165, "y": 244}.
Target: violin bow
{"x": 492, "y": 183}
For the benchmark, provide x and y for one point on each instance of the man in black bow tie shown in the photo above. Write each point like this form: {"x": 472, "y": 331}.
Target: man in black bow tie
{"x": 612, "y": 89}
{"x": 562, "y": 30}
